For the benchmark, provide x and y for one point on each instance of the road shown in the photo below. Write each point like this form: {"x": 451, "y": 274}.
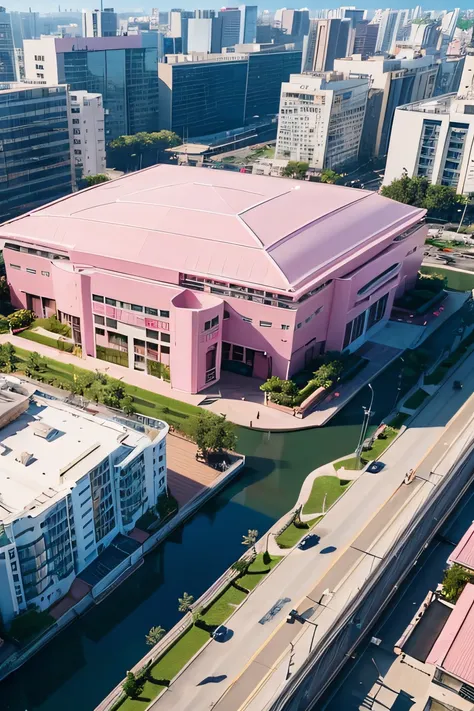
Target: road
{"x": 224, "y": 676}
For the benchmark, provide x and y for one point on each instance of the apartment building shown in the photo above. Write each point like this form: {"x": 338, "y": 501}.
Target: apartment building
{"x": 321, "y": 119}
{"x": 70, "y": 484}
{"x": 88, "y": 133}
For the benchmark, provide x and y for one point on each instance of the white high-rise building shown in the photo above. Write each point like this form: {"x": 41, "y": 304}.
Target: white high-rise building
{"x": 71, "y": 484}
{"x": 391, "y": 22}
{"x": 87, "y": 128}
{"x": 100, "y": 23}
{"x": 435, "y": 138}
{"x": 321, "y": 119}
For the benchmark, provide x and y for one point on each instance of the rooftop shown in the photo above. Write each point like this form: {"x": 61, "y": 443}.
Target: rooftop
{"x": 463, "y": 554}
{"x": 453, "y": 650}
{"x": 276, "y": 233}
{"x": 49, "y": 448}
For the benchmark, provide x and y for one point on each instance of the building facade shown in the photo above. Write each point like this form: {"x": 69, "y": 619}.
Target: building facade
{"x": 326, "y": 41}
{"x": 210, "y": 94}
{"x": 394, "y": 82}
{"x": 434, "y": 138}
{"x": 70, "y": 484}
{"x": 8, "y": 64}
{"x": 36, "y": 165}
{"x": 203, "y": 271}
{"x": 99, "y": 23}
{"x": 321, "y": 119}
{"x": 88, "y": 133}
{"x": 121, "y": 69}
{"x": 204, "y": 34}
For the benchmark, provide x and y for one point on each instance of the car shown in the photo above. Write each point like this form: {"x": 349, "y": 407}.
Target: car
{"x": 375, "y": 467}
{"x": 220, "y": 633}
{"x": 294, "y": 615}
{"x": 308, "y": 542}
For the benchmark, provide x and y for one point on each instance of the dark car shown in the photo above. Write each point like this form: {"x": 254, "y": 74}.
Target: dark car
{"x": 308, "y": 542}
{"x": 294, "y": 615}
{"x": 375, "y": 467}
{"x": 220, "y": 634}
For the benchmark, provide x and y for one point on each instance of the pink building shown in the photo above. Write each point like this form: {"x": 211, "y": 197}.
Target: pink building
{"x": 209, "y": 270}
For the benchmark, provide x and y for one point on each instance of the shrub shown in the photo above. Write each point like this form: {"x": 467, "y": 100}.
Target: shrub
{"x": 273, "y": 385}
{"x": 327, "y": 374}
{"x": 432, "y": 282}
{"x": 21, "y": 318}
{"x": 289, "y": 387}
{"x": 283, "y": 399}
{"x": 455, "y": 579}
{"x": 133, "y": 686}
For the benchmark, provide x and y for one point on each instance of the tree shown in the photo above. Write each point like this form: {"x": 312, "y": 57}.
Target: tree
{"x": 20, "y": 319}
{"x": 455, "y": 579}
{"x": 185, "y": 602}
{"x": 114, "y": 393}
{"x": 212, "y": 433}
{"x": 4, "y": 289}
{"x": 96, "y": 179}
{"x": 241, "y": 566}
{"x": 8, "y": 358}
{"x": 127, "y": 405}
{"x": 35, "y": 364}
{"x": 250, "y": 540}
{"x": 155, "y": 635}
{"x": 327, "y": 374}
{"x": 296, "y": 169}
{"x": 419, "y": 192}
{"x": 329, "y": 176}
{"x": 132, "y": 686}
{"x": 142, "y": 149}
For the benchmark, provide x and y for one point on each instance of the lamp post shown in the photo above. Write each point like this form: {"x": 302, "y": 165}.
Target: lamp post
{"x": 365, "y": 423}
{"x": 399, "y": 384}
{"x": 463, "y": 214}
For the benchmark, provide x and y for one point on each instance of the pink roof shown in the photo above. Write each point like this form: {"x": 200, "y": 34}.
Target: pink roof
{"x": 464, "y": 551}
{"x": 247, "y": 228}
{"x": 453, "y": 651}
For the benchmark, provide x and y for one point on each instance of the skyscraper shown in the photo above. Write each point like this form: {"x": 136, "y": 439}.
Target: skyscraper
{"x": 99, "y": 23}
{"x": 204, "y": 34}
{"x": 365, "y": 38}
{"x": 239, "y": 25}
{"x": 327, "y": 40}
{"x": 122, "y": 69}
{"x": 390, "y": 23}
{"x": 8, "y": 71}
{"x": 36, "y": 151}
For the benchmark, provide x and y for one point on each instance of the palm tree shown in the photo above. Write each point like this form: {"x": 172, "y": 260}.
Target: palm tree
{"x": 155, "y": 635}
{"x": 250, "y": 539}
{"x": 185, "y": 602}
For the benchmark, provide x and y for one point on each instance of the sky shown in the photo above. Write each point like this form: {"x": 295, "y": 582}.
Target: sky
{"x": 126, "y": 5}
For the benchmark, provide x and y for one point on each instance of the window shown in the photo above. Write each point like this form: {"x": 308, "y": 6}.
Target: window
{"x": 165, "y": 350}
{"x": 284, "y": 327}
{"x": 166, "y": 338}
{"x": 238, "y": 353}
{"x": 152, "y": 346}
{"x": 111, "y": 322}
{"x": 136, "y": 307}
{"x": 207, "y": 325}
{"x": 30, "y": 271}
{"x": 15, "y": 266}
{"x": 214, "y": 321}
{"x": 87, "y": 501}
{"x": 164, "y": 314}
{"x": 265, "y": 324}
{"x": 110, "y": 302}
{"x": 246, "y": 319}
{"x": 92, "y": 542}
{"x": 76, "y": 121}
{"x": 226, "y": 315}
{"x": 152, "y": 334}
{"x": 100, "y": 332}
{"x": 99, "y": 299}
{"x": 161, "y": 482}
{"x": 99, "y": 319}
{"x": 150, "y": 311}
{"x": 378, "y": 278}
{"x": 46, "y": 274}
{"x": 88, "y": 534}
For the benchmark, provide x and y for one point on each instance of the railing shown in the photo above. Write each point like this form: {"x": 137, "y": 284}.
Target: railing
{"x": 210, "y": 375}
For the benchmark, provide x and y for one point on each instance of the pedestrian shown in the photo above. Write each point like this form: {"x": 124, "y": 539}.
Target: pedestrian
{"x": 250, "y": 424}
{"x": 258, "y": 415}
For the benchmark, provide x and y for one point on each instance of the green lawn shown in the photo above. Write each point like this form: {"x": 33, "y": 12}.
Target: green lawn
{"x": 196, "y": 637}
{"x": 329, "y": 487}
{"x": 46, "y": 341}
{"x": 292, "y": 534}
{"x": 377, "y": 449}
{"x": 146, "y": 402}
{"x": 415, "y": 400}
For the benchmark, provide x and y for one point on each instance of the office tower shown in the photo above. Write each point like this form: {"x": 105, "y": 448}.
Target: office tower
{"x": 122, "y": 69}
{"x": 204, "y": 34}
{"x": 25, "y": 25}
{"x": 435, "y": 138}
{"x": 326, "y": 40}
{"x": 393, "y": 82}
{"x": 179, "y": 26}
{"x": 88, "y": 133}
{"x": 365, "y": 39}
{"x": 448, "y": 79}
{"x": 248, "y": 24}
{"x": 350, "y": 13}
{"x": 321, "y": 119}
{"x": 239, "y": 25}
{"x": 448, "y": 24}
{"x": 36, "y": 150}
{"x": 219, "y": 93}
{"x": 100, "y": 23}
{"x": 72, "y": 483}
{"x": 205, "y": 14}
{"x": 8, "y": 69}
{"x": 294, "y": 23}
{"x": 424, "y": 36}
{"x": 169, "y": 45}
{"x": 390, "y": 23}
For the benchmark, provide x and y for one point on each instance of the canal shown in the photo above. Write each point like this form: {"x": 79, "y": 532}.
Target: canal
{"x": 83, "y": 663}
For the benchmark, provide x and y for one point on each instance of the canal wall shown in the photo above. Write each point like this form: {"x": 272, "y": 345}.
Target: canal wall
{"x": 356, "y": 620}
{"x": 105, "y": 586}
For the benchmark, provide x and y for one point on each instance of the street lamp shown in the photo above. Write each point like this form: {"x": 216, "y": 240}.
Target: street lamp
{"x": 365, "y": 423}
{"x": 399, "y": 386}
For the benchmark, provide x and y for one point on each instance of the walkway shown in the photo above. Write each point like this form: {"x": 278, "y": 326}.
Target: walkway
{"x": 186, "y": 475}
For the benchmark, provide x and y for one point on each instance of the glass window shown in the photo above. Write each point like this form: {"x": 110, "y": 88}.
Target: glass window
{"x": 99, "y": 319}
{"x": 99, "y": 299}
{"x": 207, "y": 325}
{"x": 166, "y": 338}
{"x": 15, "y": 266}
{"x": 110, "y": 302}
{"x": 30, "y": 271}
{"x": 136, "y": 307}
{"x": 215, "y": 321}
{"x": 152, "y": 334}
{"x": 150, "y": 311}
{"x": 265, "y": 324}
{"x": 152, "y": 346}
{"x": 226, "y": 315}
{"x": 100, "y": 332}
{"x": 165, "y": 349}
{"x": 284, "y": 327}
{"x": 246, "y": 319}
{"x": 111, "y": 322}
{"x": 238, "y": 353}
{"x": 46, "y": 274}
{"x": 164, "y": 314}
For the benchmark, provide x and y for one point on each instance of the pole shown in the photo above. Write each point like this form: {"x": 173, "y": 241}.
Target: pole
{"x": 324, "y": 502}
{"x": 462, "y": 216}
{"x": 312, "y": 638}
{"x": 365, "y": 425}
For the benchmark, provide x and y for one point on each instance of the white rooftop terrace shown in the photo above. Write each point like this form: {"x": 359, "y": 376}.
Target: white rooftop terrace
{"x": 50, "y": 447}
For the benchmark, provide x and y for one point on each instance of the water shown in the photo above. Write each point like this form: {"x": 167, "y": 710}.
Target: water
{"x": 82, "y": 664}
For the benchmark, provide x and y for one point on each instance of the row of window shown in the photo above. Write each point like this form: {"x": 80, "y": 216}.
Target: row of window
{"x": 210, "y": 324}
{"x": 35, "y": 252}
{"x": 29, "y": 270}
{"x": 130, "y": 307}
